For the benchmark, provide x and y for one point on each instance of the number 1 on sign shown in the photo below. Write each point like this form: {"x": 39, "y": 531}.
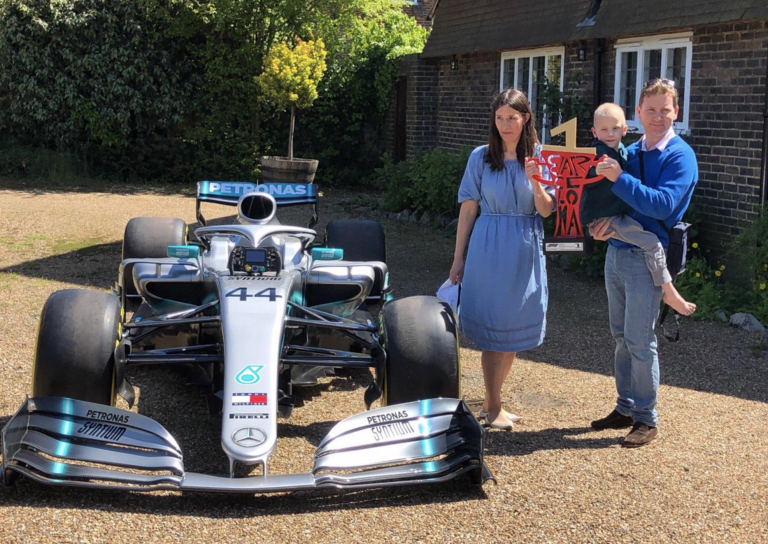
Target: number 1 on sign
{"x": 569, "y": 128}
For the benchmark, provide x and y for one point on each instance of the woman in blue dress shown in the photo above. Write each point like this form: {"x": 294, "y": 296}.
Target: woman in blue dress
{"x": 504, "y": 281}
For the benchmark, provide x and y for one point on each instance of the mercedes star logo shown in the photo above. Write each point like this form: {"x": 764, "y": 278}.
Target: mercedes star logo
{"x": 249, "y": 437}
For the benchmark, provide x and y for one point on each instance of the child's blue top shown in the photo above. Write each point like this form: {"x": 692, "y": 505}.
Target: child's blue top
{"x": 670, "y": 177}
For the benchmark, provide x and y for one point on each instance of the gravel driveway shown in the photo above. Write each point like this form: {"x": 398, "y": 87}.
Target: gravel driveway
{"x": 704, "y": 480}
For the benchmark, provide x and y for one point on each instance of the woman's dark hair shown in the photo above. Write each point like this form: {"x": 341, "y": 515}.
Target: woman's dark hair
{"x": 528, "y": 139}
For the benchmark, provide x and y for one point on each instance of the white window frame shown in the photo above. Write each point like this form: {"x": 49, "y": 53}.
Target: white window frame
{"x": 639, "y": 46}
{"x": 530, "y": 53}
{"x": 545, "y": 52}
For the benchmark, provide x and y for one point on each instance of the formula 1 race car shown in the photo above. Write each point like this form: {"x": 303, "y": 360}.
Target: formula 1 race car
{"x": 260, "y": 307}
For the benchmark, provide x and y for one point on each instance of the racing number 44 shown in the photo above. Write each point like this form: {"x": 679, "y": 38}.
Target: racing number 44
{"x": 242, "y": 294}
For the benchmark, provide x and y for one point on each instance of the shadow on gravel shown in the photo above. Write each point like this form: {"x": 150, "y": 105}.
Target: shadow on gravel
{"x": 521, "y": 442}
{"x": 710, "y": 357}
{"x": 235, "y": 506}
{"x": 344, "y": 380}
{"x": 94, "y": 266}
{"x": 312, "y": 433}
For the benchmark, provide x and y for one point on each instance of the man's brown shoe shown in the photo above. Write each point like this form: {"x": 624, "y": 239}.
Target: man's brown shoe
{"x": 640, "y": 435}
{"x": 614, "y": 420}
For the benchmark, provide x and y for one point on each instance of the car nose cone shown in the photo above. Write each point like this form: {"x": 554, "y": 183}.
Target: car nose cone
{"x": 249, "y": 437}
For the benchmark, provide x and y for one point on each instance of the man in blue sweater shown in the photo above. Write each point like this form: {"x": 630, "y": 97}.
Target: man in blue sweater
{"x": 658, "y": 183}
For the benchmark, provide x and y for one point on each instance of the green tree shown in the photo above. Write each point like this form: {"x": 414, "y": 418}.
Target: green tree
{"x": 291, "y": 76}
{"x": 166, "y": 88}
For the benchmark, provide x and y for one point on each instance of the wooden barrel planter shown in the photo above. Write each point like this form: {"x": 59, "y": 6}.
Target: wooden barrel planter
{"x": 288, "y": 171}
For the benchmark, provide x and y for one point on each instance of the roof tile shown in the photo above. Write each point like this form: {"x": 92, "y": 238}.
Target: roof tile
{"x": 466, "y": 26}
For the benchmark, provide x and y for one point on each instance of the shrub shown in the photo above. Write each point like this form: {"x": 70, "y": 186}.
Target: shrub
{"x": 21, "y": 161}
{"x": 428, "y": 180}
{"x": 343, "y": 128}
{"x": 166, "y": 89}
{"x": 750, "y": 248}
{"x": 703, "y": 283}
{"x": 80, "y": 75}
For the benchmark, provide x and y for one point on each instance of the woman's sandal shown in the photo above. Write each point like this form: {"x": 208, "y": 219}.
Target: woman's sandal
{"x": 503, "y": 426}
{"x": 510, "y": 416}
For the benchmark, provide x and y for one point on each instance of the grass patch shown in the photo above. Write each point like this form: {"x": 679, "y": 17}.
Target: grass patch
{"x": 6, "y": 278}
{"x": 24, "y": 243}
{"x": 16, "y": 281}
{"x": 86, "y": 246}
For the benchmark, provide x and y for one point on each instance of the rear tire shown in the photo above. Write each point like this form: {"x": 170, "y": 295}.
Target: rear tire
{"x": 148, "y": 238}
{"x": 421, "y": 342}
{"x": 74, "y": 356}
{"x": 361, "y": 240}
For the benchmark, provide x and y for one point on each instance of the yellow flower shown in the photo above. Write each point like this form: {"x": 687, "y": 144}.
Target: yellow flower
{"x": 765, "y": 267}
{"x": 722, "y": 267}
{"x": 717, "y": 273}
{"x": 762, "y": 287}
{"x": 696, "y": 244}
{"x": 698, "y": 275}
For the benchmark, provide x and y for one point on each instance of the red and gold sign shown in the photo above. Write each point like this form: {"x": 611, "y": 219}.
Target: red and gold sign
{"x": 568, "y": 168}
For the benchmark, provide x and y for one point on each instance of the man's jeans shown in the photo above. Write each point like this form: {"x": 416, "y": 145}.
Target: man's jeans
{"x": 633, "y": 308}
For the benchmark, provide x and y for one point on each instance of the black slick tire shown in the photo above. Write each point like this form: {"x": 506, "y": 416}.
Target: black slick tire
{"x": 421, "y": 344}
{"x": 74, "y": 356}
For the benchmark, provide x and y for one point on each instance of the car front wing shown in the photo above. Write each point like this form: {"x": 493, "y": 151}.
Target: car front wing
{"x": 61, "y": 441}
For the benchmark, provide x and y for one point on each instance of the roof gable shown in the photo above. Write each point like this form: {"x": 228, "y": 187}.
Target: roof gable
{"x": 468, "y": 26}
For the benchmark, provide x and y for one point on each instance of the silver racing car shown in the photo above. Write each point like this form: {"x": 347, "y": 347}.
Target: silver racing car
{"x": 260, "y": 307}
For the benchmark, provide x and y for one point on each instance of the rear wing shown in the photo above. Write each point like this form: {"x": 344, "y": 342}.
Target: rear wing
{"x": 229, "y": 193}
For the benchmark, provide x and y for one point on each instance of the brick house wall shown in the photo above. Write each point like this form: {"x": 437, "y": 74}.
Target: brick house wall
{"x": 422, "y": 108}
{"x": 462, "y": 98}
{"x": 420, "y": 11}
{"x": 728, "y": 77}
{"x": 575, "y": 70}
{"x": 728, "y": 80}
{"x": 388, "y": 126}
{"x": 421, "y": 115}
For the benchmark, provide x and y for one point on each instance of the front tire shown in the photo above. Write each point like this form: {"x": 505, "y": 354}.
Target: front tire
{"x": 420, "y": 338}
{"x": 74, "y": 356}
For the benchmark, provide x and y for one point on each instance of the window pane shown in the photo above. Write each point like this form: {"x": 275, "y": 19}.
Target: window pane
{"x": 552, "y": 118}
{"x": 523, "y": 73}
{"x": 628, "y": 83}
{"x": 509, "y": 73}
{"x": 652, "y": 68}
{"x": 676, "y": 61}
{"x": 538, "y": 75}
{"x": 553, "y": 69}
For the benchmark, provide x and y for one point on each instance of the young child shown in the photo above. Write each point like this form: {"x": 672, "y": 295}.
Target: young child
{"x": 609, "y": 127}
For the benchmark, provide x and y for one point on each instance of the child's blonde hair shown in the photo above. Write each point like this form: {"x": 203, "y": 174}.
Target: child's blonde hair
{"x": 609, "y": 109}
